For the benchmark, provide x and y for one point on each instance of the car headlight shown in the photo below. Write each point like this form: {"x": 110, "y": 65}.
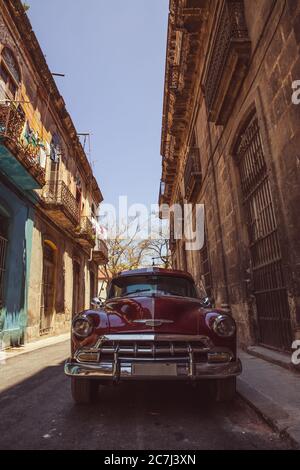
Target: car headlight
{"x": 224, "y": 326}
{"x": 82, "y": 327}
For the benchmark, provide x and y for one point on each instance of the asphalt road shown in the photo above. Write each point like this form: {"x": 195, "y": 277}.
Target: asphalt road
{"x": 37, "y": 412}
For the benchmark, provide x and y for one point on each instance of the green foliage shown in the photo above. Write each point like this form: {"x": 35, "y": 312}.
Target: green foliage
{"x": 26, "y": 6}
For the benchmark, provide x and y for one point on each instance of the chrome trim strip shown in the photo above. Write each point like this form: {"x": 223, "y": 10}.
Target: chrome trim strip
{"x": 107, "y": 371}
{"x": 152, "y": 337}
{"x": 153, "y": 322}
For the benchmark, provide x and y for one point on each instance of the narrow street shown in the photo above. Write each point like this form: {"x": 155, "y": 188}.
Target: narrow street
{"x": 37, "y": 412}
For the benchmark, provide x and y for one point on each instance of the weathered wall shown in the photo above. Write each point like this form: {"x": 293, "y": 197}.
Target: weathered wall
{"x": 13, "y": 315}
{"x": 65, "y": 250}
{"x": 46, "y": 115}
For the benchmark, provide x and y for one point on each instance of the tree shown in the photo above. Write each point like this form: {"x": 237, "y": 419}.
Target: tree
{"x": 124, "y": 254}
{"x": 158, "y": 250}
{"x": 26, "y": 6}
{"x": 128, "y": 251}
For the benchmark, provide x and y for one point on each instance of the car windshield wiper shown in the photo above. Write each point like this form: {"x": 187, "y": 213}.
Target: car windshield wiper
{"x": 138, "y": 291}
{"x": 170, "y": 292}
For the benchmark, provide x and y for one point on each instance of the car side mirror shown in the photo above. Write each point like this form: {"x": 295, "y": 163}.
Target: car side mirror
{"x": 96, "y": 302}
{"x": 207, "y": 302}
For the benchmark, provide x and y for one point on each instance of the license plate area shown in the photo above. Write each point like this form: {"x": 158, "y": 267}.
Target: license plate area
{"x": 154, "y": 370}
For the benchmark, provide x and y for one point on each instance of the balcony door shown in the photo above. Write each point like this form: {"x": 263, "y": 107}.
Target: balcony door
{"x": 48, "y": 289}
{"x": 53, "y": 176}
{"x": 93, "y": 292}
{"x": 76, "y": 288}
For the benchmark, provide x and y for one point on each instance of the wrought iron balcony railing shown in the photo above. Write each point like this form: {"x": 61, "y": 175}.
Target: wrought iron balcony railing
{"x": 86, "y": 232}
{"x": 100, "y": 252}
{"x": 61, "y": 202}
{"x": 12, "y": 122}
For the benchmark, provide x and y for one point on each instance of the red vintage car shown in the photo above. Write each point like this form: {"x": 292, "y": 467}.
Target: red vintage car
{"x": 154, "y": 325}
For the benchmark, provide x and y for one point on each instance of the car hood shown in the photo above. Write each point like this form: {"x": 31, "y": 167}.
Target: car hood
{"x": 156, "y": 313}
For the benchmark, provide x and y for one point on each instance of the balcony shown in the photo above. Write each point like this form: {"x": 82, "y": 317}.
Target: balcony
{"x": 60, "y": 204}
{"x": 192, "y": 174}
{"x": 100, "y": 252}
{"x": 86, "y": 233}
{"x": 20, "y": 162}
{"x": 228, "y": 62}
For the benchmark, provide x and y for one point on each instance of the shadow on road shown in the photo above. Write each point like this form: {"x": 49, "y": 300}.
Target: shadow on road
{"x": 130, "y": 416}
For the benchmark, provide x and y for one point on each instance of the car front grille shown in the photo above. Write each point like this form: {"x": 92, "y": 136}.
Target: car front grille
{"x": 144, "y": 349}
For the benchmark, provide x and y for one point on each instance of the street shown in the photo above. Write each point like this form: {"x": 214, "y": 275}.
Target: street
{"x": 37, "y": 412}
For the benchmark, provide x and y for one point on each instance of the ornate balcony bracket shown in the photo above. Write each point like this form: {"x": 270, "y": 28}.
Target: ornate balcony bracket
{"x": 228, "y": 62}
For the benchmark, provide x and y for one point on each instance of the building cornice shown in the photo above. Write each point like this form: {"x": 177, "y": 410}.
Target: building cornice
{"x": 185, "y": 25}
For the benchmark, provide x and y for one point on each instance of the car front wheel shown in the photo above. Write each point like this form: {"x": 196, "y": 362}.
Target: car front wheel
{"x": 84, "y": 391}
{"x": 225, "y": 389}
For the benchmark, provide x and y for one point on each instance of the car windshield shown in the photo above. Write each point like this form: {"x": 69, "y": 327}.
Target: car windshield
{"x": 166, "y": 285}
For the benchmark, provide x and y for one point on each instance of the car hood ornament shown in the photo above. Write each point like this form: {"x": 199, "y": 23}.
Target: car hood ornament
{"x": 153, "y": 322}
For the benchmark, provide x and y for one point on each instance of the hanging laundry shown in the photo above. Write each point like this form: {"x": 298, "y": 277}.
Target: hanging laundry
{"x": 29, "y": 135}
{"x": 55, "y": 148}
{"x": 43, "y": 157}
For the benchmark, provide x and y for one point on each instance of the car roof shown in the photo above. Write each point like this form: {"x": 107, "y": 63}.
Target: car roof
{"x": 154, "y": 270}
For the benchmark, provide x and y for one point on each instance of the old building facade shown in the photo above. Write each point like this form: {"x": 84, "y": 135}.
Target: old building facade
{"x": 230, "y": 141}
{"x": 50, "y": 243}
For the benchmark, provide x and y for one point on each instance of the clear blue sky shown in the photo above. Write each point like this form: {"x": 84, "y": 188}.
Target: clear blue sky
{"x": 113, "y": 55}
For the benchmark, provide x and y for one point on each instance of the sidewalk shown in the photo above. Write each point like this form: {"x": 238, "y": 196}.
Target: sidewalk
{"x": 274, "y": 392}
{"x": 33, "y": 346}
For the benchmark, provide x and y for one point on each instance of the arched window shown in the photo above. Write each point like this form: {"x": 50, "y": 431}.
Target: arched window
{"x": 9, "y": 72}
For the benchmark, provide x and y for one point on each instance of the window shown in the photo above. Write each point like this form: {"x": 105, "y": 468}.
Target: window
{"x": 267, "y": 265}
{"x": 149, "y": 285}
{"x": 193, "y": 172}
{"x": 9, "y": 73}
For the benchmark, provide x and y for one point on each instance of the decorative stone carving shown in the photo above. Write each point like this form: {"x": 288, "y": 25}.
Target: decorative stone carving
{"x": 229, "y": 59}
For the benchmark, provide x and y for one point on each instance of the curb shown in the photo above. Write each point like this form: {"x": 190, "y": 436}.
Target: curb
{"x": 276, "y": 417}
{"x": 35, "y": 346}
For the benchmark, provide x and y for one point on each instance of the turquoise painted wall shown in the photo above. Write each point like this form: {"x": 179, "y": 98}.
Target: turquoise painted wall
{"x": 13, "y": 317}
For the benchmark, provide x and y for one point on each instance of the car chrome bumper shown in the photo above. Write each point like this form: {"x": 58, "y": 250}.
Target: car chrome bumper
{"x": 126, "y": 370}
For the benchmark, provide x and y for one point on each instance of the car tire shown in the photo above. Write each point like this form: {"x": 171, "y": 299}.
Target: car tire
{"x": 84, "y": 391}
{"x": 225, "y": 389}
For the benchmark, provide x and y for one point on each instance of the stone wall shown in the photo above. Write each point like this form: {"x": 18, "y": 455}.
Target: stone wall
{"x": 274, "y": 31}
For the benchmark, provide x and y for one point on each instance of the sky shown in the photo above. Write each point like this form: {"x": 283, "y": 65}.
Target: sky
{"x": 113, "y": 56}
